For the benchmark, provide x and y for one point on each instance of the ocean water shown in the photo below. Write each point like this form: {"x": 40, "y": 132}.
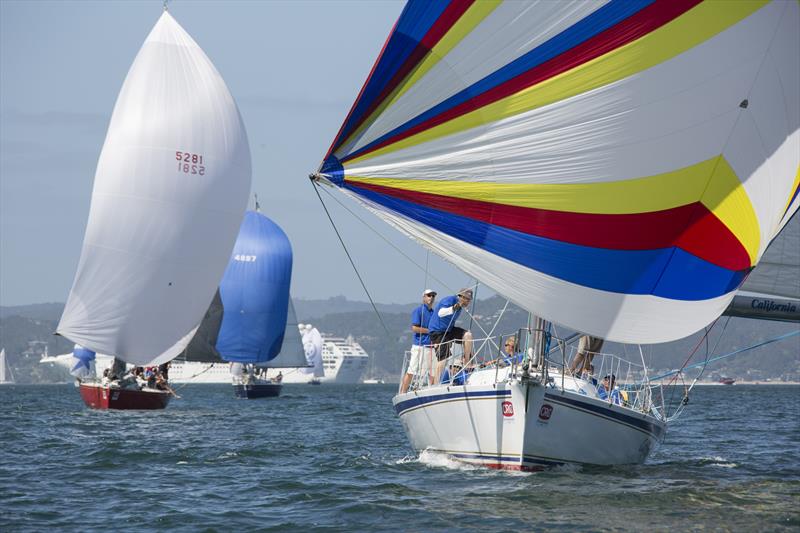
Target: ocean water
{"x": 335, "y": 458}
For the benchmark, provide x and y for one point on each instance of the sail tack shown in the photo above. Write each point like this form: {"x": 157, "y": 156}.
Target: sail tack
{"x": 618, "y": 167}
{"x": 169, "y": 192}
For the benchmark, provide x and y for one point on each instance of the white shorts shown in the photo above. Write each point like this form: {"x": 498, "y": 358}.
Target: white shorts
{"x": 421, "y": 357}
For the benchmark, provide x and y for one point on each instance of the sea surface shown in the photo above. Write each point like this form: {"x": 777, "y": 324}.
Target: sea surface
{"x": 335, "y": 458}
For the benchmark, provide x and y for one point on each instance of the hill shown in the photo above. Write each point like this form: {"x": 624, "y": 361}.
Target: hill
{"x": 25, "y": 332}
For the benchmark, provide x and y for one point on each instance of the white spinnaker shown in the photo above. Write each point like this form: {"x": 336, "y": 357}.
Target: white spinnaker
{"x": 160, "y": 233}
{"x": 312, "y": 343}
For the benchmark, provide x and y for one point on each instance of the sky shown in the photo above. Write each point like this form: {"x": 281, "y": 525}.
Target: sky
{"x": 294, "y": 69}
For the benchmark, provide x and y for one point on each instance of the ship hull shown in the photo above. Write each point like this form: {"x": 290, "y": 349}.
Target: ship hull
{"x": 257, "y": 390}
{"x": 97, "y": 396}
{"x": 521, "y": 425}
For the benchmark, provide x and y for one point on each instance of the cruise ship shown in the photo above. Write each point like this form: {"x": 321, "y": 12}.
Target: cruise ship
{"x": 343, "y": 361}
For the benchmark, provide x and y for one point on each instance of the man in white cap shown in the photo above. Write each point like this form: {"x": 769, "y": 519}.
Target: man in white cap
{"x": 421, "y": 352}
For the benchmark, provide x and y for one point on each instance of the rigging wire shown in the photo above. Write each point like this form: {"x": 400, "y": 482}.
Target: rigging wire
{"x": 350, "y": 258}
{"x": 731, "y": 354}
{"x": 390, "y": 243}
{"x": 387, "y": 241}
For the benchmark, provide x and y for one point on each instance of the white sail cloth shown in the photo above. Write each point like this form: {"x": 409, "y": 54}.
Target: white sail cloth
{"x": 170, "y": 190}
{"x": 312, "y": 343}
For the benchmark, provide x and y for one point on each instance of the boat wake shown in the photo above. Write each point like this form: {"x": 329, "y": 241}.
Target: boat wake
{"x": 717, "y": 461}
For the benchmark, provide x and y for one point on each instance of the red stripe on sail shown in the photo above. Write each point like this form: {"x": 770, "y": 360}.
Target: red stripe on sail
{"x": 690, "y": 227}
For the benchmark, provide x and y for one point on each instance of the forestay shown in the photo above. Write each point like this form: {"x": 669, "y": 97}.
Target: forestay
{"x": 170, "y": 189}
{"x": 618, "y": 167}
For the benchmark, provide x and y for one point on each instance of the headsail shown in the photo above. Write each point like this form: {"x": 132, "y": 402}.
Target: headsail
{"x": 203, "y": 346}
{"x": 618, "y": 167}
{"x": 292, "y": 353}
{"x": 255, "y": 292}
{"x": 171, "y": 185}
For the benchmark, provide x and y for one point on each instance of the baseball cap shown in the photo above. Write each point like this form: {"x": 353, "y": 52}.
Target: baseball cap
{"x": 429, "y": 291}
{"x": 466, "y": 293}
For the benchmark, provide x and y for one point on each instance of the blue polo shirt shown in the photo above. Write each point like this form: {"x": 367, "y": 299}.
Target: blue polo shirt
{"x": 444, "y": 323}
{"x": 420, "y": 317}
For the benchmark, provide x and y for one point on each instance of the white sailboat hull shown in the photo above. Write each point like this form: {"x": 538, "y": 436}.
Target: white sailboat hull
{"x": 522, "y": 425}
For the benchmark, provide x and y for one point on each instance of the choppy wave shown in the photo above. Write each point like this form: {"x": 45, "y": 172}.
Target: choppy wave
{"x": 336, "y": 458}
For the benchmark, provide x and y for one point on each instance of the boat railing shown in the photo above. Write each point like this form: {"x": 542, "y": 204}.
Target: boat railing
{"x": 631, "y": 387}
{"x": 627, "y": 380}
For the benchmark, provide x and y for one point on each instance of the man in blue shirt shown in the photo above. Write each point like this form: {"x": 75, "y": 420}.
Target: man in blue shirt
{"x": 443, "y": 329}
{"x": 421, "y": 351}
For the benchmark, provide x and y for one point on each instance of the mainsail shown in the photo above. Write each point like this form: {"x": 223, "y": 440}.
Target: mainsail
{"x": 618, "y": 167}
{"x": 6, "y": 376}
{"x": 170, "y": 188}
{"x": 203, "y": 346}
{"x": 772, "y": 290}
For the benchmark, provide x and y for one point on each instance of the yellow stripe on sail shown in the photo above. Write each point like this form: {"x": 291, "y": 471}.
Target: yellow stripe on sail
{"x": 465, "y": 24}
{"x": 463, "y": 27}
{"x": 712, "y": 182}
{"x": 639, "y": 195}
{"x": 685, "y": 32}
{"x": 727, "y": 199}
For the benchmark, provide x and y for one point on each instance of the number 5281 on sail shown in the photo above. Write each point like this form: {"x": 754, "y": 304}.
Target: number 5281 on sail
{"x": 190, "y": 163}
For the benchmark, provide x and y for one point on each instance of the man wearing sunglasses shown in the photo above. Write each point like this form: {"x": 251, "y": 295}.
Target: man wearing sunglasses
{"x": 443, "y": 330}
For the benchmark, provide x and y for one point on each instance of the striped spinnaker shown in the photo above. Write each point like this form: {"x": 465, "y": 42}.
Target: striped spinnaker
{"x": 618, "y": 167}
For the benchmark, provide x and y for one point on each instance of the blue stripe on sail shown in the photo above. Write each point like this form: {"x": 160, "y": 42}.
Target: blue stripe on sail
{"x": 416, "y": 19}
{"x": 595, "y": 23}
{"x": 665, "y": 272}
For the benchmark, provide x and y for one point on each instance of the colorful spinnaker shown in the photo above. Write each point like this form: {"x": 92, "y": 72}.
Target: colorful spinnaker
{"x": 170, "y": 189}
{"x": 618, "y": 167}
{"x": 255, "y": 292}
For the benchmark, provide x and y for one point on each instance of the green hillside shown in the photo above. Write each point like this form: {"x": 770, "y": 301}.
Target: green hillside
{"x": 25, "y": 331}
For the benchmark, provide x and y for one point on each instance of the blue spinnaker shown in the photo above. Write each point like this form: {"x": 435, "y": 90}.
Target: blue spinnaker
{"x": 255, "y": 292}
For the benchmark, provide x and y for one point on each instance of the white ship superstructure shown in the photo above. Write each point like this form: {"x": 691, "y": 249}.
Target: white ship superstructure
{"x": 343, "y": 359}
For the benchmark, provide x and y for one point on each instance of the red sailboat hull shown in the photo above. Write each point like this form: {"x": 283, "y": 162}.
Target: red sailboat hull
{"x": 102, "y": 397}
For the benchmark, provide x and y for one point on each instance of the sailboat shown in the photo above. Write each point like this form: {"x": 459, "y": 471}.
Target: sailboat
{"x": 170, "y": 190}
{"x": 6, "y": 376}
{"x": 616, "y": 168}
{"x": 255, "y": 299}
